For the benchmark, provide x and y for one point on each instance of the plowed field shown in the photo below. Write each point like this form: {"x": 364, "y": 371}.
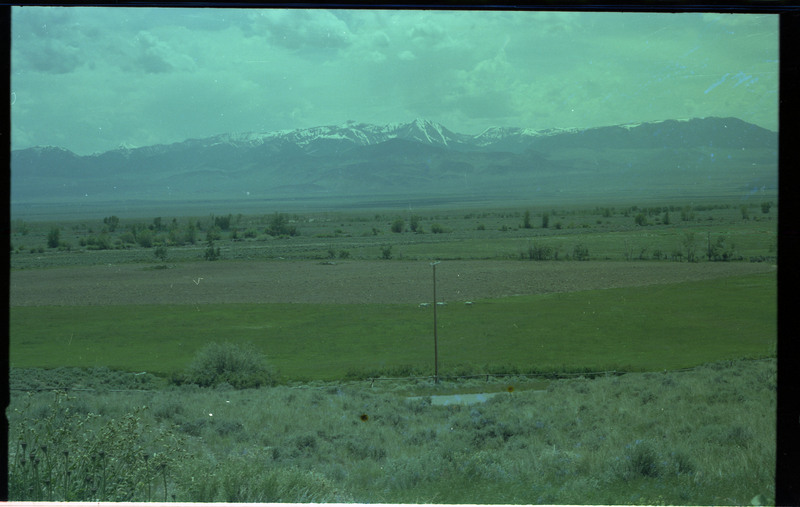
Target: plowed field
{"x": 349, "y": 282}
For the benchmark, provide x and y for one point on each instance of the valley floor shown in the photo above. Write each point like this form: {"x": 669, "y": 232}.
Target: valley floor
{"x": 349, "y": 281}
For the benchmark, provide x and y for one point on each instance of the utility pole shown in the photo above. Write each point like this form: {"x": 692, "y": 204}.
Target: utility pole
{"x": 435, "y": 337}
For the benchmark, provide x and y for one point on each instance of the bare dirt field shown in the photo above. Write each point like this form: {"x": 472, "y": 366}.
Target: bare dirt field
{"x": 349, "y": 282}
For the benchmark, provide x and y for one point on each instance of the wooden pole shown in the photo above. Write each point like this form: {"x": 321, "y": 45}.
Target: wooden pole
{"x": 435, "y": 337}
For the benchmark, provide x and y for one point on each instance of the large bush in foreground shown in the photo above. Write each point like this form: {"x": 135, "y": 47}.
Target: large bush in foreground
{"x": 241, "y": 366}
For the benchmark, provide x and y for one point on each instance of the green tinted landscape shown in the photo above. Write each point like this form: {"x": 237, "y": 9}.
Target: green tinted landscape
{"x": 242, "y": 366}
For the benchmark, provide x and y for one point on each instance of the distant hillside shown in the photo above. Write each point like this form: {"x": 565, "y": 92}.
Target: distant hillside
{"x": 421, "y": 159}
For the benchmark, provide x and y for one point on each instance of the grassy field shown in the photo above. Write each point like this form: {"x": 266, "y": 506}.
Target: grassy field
{"x": 637, "y": 328}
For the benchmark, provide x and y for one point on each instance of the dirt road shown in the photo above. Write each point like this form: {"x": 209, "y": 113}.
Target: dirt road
{"x": 343, "y": 282}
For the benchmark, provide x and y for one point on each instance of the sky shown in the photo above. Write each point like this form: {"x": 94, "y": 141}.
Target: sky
{"x": 92, "y": 79}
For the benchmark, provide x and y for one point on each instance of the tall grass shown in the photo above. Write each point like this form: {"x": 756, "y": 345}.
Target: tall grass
{"x": 705, "y": 436}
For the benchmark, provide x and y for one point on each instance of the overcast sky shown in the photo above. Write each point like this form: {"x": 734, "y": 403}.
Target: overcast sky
{"x": 91, "y": 79}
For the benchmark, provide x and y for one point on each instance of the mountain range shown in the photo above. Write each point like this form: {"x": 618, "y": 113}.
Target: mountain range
{"x": 419, "y": 160}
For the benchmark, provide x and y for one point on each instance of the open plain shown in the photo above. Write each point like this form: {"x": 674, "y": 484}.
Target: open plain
{"x": 342, "y": 282}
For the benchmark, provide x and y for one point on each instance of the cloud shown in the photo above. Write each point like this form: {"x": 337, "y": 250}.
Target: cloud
{"x": 406, "y": 55}
{"x": 90, "y": 79}
{"x": 315, "y": 30}
{"x": 155, "y": 56}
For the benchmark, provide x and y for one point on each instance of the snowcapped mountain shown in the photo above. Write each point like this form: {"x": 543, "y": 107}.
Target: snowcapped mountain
{"x": 419, "y": 158}
{"x": 319, "y": 140}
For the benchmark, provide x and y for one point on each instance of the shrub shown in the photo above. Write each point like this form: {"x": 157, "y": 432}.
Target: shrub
{"x": 279, "y": 226}
{"x": 63, "y": 455}
{"x": 241, "y": 366}
{"x": 161, "y": 252}
{"x": 398, "y": 225}
{"x": 580, "y": 252}
{"x": 437, "y": 229}
{"x": 127, "y": 237}
{"x": 112, "y": 222}
{"x": 145, "y": 238}
{"x": 386, "y": 252}
{"x": 644, "y": 460}
{"x": 53, "y": 237}
{"x": 541, "y": 253}
{"x": 101, "y": 242}
{"x": 223, "y": 223}
{"x": 414, "y": 225}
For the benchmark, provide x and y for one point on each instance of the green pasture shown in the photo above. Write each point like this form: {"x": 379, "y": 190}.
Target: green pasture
{"x": 639, "y": 243}
{"x": 642, "y": 328}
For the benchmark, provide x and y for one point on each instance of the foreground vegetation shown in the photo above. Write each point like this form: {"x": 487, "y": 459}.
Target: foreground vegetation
{"x": 705, "y": 436}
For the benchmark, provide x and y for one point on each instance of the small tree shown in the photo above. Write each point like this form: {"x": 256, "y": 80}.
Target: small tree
{"x": 765, "y": 206}
{"x": 191, "y": 234}
{"x": 112, "y": 222}
{"x": 545, "y": 220}
{"x": 689, "y": 245}
{"x": 527, "y": 220}
{"x": 223, "y": 223}
{"x": 386, "y": 252}
{"x": 53, "y": 237}
{"x": 212, "y": 254}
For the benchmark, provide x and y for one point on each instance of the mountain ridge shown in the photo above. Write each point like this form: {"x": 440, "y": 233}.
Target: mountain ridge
{"x": 418, "y": 158}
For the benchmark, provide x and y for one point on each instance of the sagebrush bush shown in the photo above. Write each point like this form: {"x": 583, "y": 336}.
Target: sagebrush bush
{"x": 64, "y": 454}
{"x": 241, "y": 366}
{"x": 703, "y": 437}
